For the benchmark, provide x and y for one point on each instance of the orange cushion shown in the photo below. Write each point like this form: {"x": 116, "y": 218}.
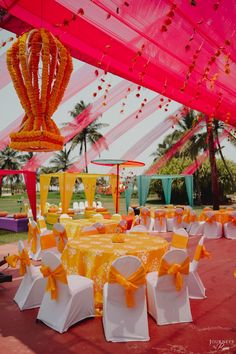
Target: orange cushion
{"x": 3, "y": 213}
{"x": 101, "y": 209}
{"x": 20, "y": 215}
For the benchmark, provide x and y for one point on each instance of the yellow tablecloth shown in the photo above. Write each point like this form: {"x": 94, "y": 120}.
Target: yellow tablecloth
{"x": 73, "y": 227}
{"x": 91, "y": 256}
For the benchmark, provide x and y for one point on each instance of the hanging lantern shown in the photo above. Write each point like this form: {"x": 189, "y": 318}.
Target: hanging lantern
{"x": 40, "y": 68}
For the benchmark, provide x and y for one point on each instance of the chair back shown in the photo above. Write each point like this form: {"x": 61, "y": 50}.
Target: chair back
{"x": 60, "y": 236}
{"x": 52, "y": 261}
{"x": 167, "y": 282}
{"x": 29, "y": 269}
{"x": 126, "y": 266}
{"x": 75, "y": 205}
{"x": 159, "y": 220}
{"x": 197, "y": 255}
{"x": 81, "y": 206}
{"x": 180, "y": 239}
{"x": 99, "y": 204}
{"x": 145, "y": 216}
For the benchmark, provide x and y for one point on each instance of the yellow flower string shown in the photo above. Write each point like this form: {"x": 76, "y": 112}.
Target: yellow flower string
{"x": 38, "y": 132}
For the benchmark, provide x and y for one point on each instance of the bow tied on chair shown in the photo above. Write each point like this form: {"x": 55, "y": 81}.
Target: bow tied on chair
{"x": 175, "y": 269}
{"x": 210, "y": 219}
{"x": 58, "y": 274}
{"x": 145, "y": 213}
{"x": 32, "y": 237}
{"x": 160, "y": 216}
{"x": 232, "y": 219}
{"x": 130, "y": 284}
{"x": 179, "y": 216}
{"x": 62, "y": 238}
{"x": 201, "y": 252}
{"x": 23, "y": 258}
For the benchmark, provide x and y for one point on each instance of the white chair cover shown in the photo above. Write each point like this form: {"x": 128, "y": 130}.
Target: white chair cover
{"x": 36, "y": 256}
{"x": 31, "y": 290}
{"x": 99, "y": 204}
{"x": 196, "y": 288}
{"x": 173, "y": 223}
{"x": 122, "y": 323}
{"x": 81, "y": 207}
{"x": 160, "y": 223}
{"x": 145, "y": 218}
{"x": 74, "y": 303}
{"x": 230, "y": 227}
{"x": 212, "y": 229}
{"x": 165, "y": 304}
{"x": 196, "y": 228}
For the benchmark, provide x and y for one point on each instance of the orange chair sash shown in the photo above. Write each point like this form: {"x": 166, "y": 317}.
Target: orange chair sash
{"x": 201, "y": 252}
{"x": 179, "y": 217}
{"x": 62, "y": 238}
{"x": 32, "y": 237}
{"x": 58, "y": 274}
{"x": 47, "y": 241}
{"x": 24, "y": 259}
{"x": 232, "y": 219}
{"x": 145, "y": 214}
{"x": 179, "y": 241}
{"x": 176, "y": 270}
{"x": 130, "y": 284}
{"x": 160, "y": 217}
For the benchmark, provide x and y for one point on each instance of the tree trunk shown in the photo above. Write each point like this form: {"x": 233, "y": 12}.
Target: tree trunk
{"x": 214, "y": 172}
{"x": 85, "y": 155}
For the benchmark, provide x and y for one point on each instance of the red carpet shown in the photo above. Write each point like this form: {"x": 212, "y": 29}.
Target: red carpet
{"x": 213, "y": 329}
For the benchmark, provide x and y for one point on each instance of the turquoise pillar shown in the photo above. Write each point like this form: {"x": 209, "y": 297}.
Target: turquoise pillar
{"x": 143, "y": 183}
{"x": 189, "y": 188}
{"x": 166, "y": 185}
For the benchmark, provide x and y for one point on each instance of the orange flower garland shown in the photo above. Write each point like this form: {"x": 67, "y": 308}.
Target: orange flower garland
{"x": 40, "y": 98}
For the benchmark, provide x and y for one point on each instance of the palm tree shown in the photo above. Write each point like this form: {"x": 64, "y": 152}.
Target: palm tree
{"x": 90, "y": 134}
{"x": 10, "y": 160}
{"x": 62, "y": 160}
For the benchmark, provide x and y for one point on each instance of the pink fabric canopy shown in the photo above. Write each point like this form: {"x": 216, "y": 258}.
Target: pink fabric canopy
{"x": 183, "y": 51}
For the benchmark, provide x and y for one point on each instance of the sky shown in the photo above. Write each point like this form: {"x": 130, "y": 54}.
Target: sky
{"x": 11, "y": 109}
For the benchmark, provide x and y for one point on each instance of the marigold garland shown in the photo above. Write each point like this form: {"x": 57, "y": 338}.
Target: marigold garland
{"x": 40, "y": 98}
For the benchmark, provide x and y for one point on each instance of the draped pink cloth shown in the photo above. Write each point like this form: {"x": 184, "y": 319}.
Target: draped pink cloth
{"x": 116, "y": 132}
{"x": 83, "y": 120}
{"x": 5, "y": 76}
{"x": 142, "y": 144}
{"x": 185, "y": 52}
{"x": 176, "y": 147}
{"x": 202, "y": 158}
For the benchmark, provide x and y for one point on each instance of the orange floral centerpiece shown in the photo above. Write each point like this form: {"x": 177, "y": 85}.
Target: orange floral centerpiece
{"x": 40, "y": 68}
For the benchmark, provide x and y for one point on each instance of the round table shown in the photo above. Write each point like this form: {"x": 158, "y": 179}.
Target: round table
{"x": 92, "y": 255}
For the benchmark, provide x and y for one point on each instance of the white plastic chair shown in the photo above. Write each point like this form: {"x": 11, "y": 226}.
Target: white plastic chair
{"x": 75, "y": 300}
{"x": 230, "y": 226}
{"x": 81, "y": 207}
{"x": 122, "y": 323}
{"x": 76, "y": 207}
{"x": 31, "y": 290}
{"x": 179, "y": 240}
{"x": 160, "y": 223}
{"x": 211, "y": 228}
{"x": 166, "y": 304}
{"x": 195, "y": 227}
{"x": 34, "y": 240}
{"x": 177, "y": 221}
{"x": 99, "y": 204}
{"x": 86, "y": 204}
{"x": 195, "y": 286}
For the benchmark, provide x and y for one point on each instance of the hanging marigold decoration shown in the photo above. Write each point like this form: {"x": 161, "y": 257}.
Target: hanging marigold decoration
{"x": 40, "y": 68}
